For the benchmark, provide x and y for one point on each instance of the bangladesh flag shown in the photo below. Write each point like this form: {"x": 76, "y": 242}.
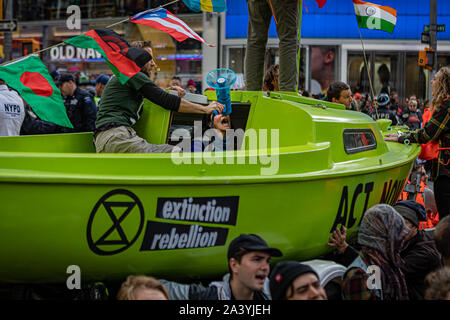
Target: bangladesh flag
{"x": 37, "y": 88}
{"x": 124, "y": 61}
{"x": 374, "y": 16}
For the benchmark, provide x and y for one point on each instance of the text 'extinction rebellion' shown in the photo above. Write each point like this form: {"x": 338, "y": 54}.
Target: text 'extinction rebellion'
{"x": 168, "y": 236}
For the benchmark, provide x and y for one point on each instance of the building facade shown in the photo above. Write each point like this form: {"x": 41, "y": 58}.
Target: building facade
{"x": 332, "y": 48}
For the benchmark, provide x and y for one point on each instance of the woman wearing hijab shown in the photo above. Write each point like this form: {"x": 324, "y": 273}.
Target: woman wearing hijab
{"x": 376, "y": 273}
{"x": 437, "y": 129}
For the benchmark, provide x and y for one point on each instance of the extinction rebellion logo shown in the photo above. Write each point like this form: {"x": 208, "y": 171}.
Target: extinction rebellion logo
{"x": 117, "y": 220}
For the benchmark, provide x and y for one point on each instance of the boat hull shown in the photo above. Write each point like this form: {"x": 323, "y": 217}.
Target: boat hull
{"x": 88, "y": 226}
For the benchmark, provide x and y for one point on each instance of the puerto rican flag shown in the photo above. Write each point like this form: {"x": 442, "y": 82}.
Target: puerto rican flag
{"x": 165, "y": 21}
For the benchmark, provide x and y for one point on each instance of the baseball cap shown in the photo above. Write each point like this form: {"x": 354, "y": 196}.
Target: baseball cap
{"x": 283, "y": 274}
{"x": 191, "y": 83}
{"x": 383, "y": 100}
{"x": 64, "y": 77}
{"x": 412, "y": 211}
{"x": 102, "y": 78}
{"x": 251, "y": 242}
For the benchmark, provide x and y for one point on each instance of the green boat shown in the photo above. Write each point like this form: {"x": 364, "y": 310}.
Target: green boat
{"x": 314, "y": 166}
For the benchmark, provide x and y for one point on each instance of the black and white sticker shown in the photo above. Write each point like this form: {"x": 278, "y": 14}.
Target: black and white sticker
{"x": 170, "y": 236}
{"x": 218, "y": 210}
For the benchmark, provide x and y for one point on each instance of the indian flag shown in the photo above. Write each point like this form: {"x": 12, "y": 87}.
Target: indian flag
{"x": 374, "y": 16}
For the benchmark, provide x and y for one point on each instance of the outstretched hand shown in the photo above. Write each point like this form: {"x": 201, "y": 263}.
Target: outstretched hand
{"x": 391, "y": 137}
{"x": 181, "y": 92}
{"x": 214, "y": 106}
{"x": 337, "y": 240}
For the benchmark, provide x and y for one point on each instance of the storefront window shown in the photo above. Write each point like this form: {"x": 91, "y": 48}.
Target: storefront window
{"x": 416, "y": 78}
{"x": 443, "y": 60}
{"x": 383, "y": 72}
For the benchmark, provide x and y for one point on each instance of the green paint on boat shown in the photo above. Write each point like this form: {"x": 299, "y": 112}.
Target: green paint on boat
{"x": 119, "y": 214}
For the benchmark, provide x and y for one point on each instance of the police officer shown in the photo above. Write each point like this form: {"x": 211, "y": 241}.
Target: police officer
{"x": 100, "y": 84}
{"x": 12, "y": 111}
{"x": 383, "y": 109}
{"x": 80, "y": 105}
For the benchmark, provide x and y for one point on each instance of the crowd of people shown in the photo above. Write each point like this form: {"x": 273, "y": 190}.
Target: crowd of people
{"x": 413, "y": 265}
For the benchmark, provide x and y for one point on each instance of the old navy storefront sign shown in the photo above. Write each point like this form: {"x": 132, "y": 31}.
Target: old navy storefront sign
{"x": 71, "y": 53}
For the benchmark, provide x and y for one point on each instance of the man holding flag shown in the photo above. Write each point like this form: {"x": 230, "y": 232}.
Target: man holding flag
{"x": 120, "y": 105}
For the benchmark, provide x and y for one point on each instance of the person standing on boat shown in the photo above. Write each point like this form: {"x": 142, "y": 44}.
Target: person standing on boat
{"x": 120, "y": 106}
{"x": 339, "y": 92}
{"x": 80, "y": 105}
{"x": 437, "y": 129}
{"x": 12, "y": 111}
{"x": 285, "y": 13}
{"x": 249, "y": 265}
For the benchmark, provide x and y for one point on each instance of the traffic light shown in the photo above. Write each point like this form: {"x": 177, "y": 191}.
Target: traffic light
{"x": 426, "y": 58}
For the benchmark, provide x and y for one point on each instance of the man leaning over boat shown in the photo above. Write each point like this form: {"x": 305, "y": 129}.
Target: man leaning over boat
{"x": 120, "y": 106}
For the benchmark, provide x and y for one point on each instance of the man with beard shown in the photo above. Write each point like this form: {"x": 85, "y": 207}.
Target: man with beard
{"x": 249, "y": 265}
{"x": 291, "y": 280}
{"x": 121, "y": 103}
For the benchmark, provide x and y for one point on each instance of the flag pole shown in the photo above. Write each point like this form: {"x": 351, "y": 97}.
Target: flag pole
{"x": 367, "y": 68}
{"x": 299, "y": 42}
{"x": 110, "y": 26}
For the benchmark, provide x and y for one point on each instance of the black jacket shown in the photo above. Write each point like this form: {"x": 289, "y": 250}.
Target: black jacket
{"x": 421, "y": 257}
{"x": 81, "y": 110}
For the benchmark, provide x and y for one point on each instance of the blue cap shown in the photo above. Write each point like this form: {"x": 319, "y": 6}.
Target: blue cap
{"x": 102, "y": 78}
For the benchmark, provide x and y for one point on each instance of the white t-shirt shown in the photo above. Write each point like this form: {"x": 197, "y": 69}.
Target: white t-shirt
{"x": 12, "y": 112}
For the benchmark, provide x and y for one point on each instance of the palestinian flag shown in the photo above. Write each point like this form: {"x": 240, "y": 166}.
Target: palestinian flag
{"x": 124, "y": 61}
{"x": 374, "y": 16}
{"x": 37, "y": 88}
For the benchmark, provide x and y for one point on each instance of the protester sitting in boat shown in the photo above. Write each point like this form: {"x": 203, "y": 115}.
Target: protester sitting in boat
{"x": 120, "y": 105}
{"x": 382, "y": 235}
{"x": 291, "y": 280}
{"x": 142, "y": 288}
{"x": 249, "y": 265}
{"x": 215, "y": 136}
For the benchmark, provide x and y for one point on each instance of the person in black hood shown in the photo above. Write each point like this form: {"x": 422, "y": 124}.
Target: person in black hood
{"x": 383, "y": 111}
{"x": 419, "y": 253}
